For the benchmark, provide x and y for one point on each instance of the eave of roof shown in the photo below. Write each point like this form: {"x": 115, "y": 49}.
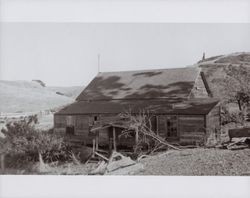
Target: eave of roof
{"x": 166, "y": 106}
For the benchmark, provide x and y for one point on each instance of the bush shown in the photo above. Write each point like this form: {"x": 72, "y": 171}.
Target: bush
{"x": 232, "y": 117}
{"x": 24, "y": 142}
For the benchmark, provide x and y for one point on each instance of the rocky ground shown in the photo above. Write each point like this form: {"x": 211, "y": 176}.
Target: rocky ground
{"x": 198, "y": 161}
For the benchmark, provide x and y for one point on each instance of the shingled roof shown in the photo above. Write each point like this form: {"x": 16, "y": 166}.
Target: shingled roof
{"x": 155, "y": 84}
{"x": 194, "y": 106}
{"x": 158, "y": 91}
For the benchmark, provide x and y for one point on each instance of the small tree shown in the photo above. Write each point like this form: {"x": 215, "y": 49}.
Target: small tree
{"x": 140, "y": 127}
{"x": 227, "y": 117}
{"x": 237, "y": 85}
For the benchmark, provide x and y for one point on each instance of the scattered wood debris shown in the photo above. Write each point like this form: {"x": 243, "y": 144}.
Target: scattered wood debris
{"x": 117, "y": 164}
{"x": 140, "y": 125}
{"x": 239, "y": 143}
{"x": 236, "y": 144}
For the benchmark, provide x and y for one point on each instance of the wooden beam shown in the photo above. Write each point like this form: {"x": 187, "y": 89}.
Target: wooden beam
{"x": 177, "y": 127}
{"x": 97, "y": 140}
{"x": 136, "y": 137}
{"x": 99, "y": 128}
{"x": 157, "y": 123}
{"x": 2, "y": 162}
{"x": 110, "y": 144}
{"x": 102, "y": 156}
{"x": 93, "y": 146}
{"x": 114, "y": 139}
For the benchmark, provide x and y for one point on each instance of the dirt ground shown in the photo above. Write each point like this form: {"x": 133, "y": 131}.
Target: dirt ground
{"x": 198, "y": 162}
{"x": 188, "y": 162}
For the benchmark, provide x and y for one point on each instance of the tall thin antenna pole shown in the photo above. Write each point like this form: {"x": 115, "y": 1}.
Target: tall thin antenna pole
{"x": 99, "y": 62}
{"x": 203, "y": 56}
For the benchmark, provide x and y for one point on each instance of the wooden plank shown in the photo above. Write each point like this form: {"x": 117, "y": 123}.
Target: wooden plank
{"x": 190, "y": 118}
{"x": 93, "y": 146}
{"x": 97, "y": 140}
{"x": 157, "y": 123}
{"x": 191, "y": 137}
{"x": 114, "y": 139}
{"x": 102, "y": 156}
{"x": 110, "y": 144}
{"x": 192, "y": 123}
{"x": 136, "y": 137}
{"x": 193, "y": 134}
{"x": 2, "y": 158}
{"x": 100, "y": 128}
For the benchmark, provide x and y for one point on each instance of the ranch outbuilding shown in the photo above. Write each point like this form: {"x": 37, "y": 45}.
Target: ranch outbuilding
{"x": 180, "y": 104}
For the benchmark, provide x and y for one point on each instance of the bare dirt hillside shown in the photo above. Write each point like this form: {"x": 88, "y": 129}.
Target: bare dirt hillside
{"x": 214, "y": 69}
{"x": 24, "y": 96}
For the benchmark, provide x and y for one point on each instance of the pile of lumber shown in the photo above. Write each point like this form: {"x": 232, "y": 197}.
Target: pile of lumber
{"x": 239, "y": 143}
{"x": 239, "y": 139}
{"x": 236, "y": 144}
{"x": 117, "y": 164}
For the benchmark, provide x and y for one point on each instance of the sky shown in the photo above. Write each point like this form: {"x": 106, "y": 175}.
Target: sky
{"x": 66, "y": 54}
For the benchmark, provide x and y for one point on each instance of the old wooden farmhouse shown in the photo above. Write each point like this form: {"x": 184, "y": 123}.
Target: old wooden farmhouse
{"x": 179, "y": 101}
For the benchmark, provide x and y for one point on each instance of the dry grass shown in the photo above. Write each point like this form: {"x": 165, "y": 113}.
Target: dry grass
{"x": 189, "y": 162}
{"x": 51, "y": 169}
{"x": 23, "y": 96}
{"x": 198, "y": 162}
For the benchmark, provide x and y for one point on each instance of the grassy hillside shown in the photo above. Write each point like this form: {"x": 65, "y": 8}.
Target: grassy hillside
{"x": 214, "y": 69}
{"x": 23, "y": 96}
{"x": 72, "y": 92}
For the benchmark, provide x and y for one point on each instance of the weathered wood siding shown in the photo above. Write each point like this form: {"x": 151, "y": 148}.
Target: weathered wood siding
{"x": 213, "y": 122}
{"x": 82, "y": 125}
{"x": 191, "y": 129}
{"x": 162, "y": 127}
{"x": 59, "y": 124}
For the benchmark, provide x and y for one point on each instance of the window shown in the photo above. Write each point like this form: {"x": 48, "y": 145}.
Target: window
{"x": 171, "y": 123}
{"x": 70, "y": 130}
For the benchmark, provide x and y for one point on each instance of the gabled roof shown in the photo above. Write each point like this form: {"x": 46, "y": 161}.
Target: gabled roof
{"x": 154, "y": 84}
{"x": 163, "y": 106}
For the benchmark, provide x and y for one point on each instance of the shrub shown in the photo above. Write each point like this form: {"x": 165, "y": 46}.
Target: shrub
{"x": 24, "y": 142}
{"x": 232, "y": 117}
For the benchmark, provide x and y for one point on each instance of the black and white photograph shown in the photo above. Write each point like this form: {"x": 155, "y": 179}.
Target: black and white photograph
{"x": 125, "y": 99}
{"x": 99, "y": 98}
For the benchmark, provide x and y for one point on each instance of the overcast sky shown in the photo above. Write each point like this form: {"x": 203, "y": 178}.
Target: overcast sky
{"x": 65, "y": 54}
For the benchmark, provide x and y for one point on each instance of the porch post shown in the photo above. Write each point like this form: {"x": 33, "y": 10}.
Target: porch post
{"x": 114, "y": 139}
{"x": 2, "y": 162}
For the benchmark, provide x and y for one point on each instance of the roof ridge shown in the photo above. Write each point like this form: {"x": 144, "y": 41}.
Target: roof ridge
{"x": 145, "y": 70}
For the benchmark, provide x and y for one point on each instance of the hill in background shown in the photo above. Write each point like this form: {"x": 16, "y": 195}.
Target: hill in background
{"x": 34, "y": 96}
{"x": 24, "y": 96}
{"x": 214, "y": 69}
